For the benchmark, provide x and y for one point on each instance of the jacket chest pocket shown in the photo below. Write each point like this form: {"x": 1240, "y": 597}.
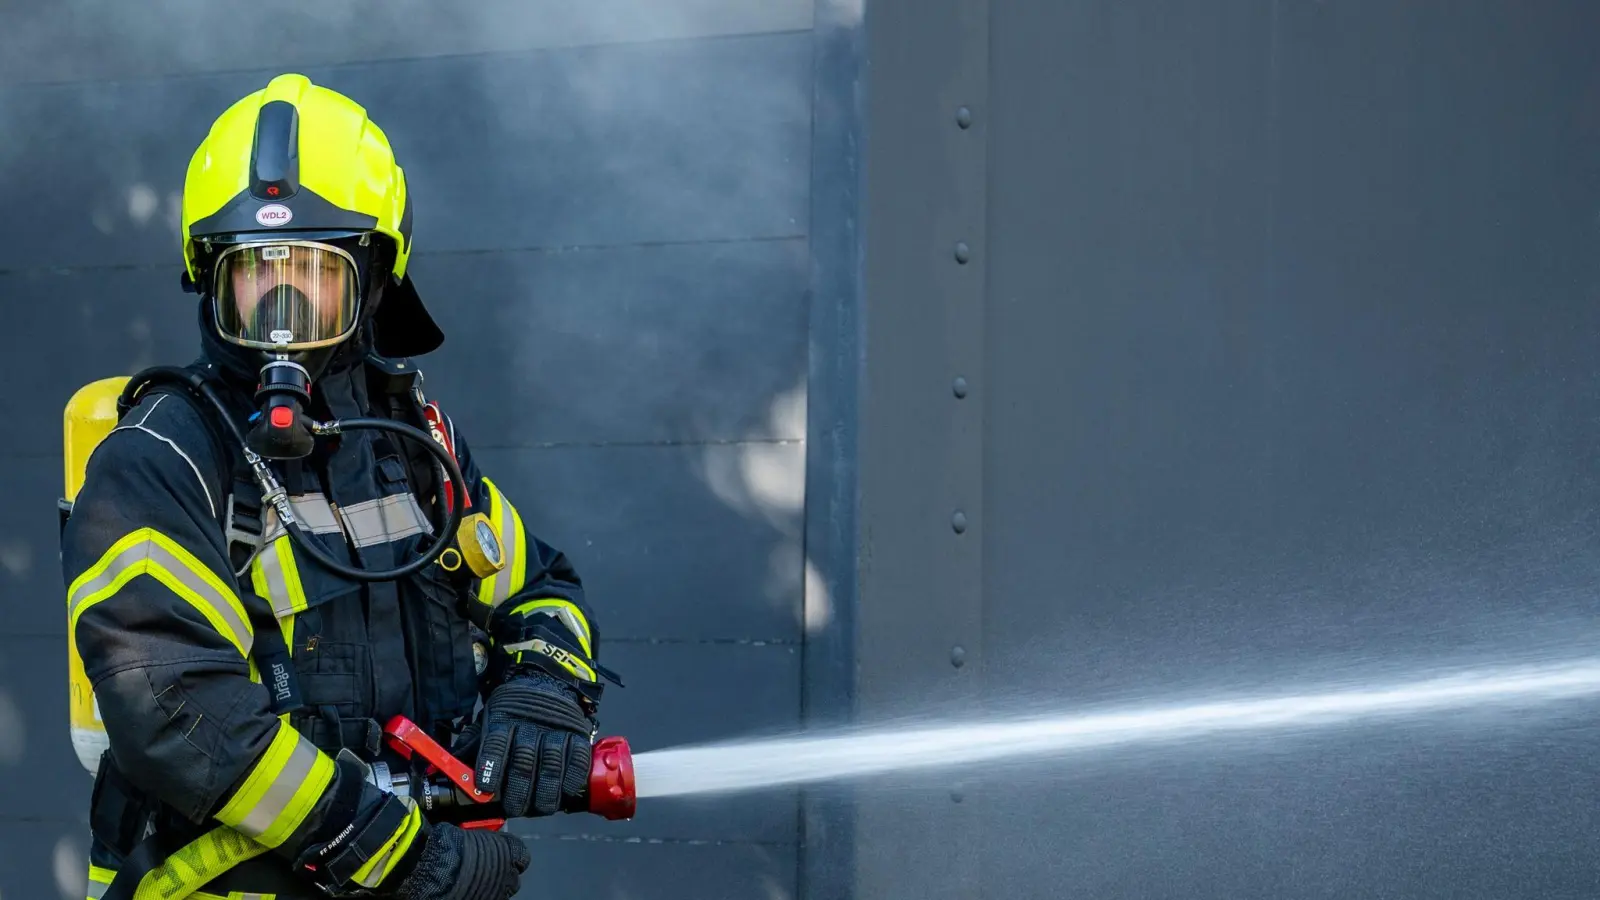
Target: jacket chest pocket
{"x": 443, "y": 642}
{"x": 318, "y": 611}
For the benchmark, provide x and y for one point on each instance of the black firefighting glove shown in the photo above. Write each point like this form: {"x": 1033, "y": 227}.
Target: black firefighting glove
{"x": 533, "y": 746}
{"x": 461, "y": 864}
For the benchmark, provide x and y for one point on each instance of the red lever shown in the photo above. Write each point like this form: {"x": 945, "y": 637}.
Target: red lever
{"x": 407, "y": 739}
{"x": 612, "y": 794}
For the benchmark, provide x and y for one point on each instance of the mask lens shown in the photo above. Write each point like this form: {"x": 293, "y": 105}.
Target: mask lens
{"x": 293, "y": 295}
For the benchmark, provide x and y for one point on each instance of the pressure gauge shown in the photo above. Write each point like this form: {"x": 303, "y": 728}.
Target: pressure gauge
{"x": 480, "y": 545}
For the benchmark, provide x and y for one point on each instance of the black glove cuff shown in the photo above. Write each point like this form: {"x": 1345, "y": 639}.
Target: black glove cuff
{"x": 334, "y": 863}
{"x": 486, "y": 860}
{"x": 539, "y": 698}
{"x": 349, "y": 786}
{"x": 463, "y": 865}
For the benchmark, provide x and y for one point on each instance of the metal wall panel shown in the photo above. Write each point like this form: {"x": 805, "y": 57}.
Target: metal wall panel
{"x": 35, "y": 747}
{"x": 659, "y": 344}
{"x": 44, "y": 859}
{"x": 1291, "y": 378}
{"x": 673, "y": 559}
{"x": 618, "y": 144}
{"x": 613, "y": 231}
{"x": 832, "y": 508}
{"x": 919, "y": 642}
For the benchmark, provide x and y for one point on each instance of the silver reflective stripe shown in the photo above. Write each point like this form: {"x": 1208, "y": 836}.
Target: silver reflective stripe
{"x": 281, "y": 793}
{"x": 97, "y": 890}
{"x": 383, "y": 520}
{"x": 255, "y": 897}
{"x": 157, "y": 554}
{"x": 277, "y": 584}
{"x": 312, "y": 511}
{"x": 511, "y": 547}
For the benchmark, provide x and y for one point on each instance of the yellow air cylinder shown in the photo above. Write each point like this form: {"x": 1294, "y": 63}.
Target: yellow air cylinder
{"x": 89, "y": 417}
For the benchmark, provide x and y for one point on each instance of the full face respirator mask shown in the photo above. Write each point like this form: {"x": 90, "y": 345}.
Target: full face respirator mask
{"x": 295, "y": 301}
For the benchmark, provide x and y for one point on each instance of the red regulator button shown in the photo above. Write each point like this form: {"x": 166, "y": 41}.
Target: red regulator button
{"x": 282, "y": 417}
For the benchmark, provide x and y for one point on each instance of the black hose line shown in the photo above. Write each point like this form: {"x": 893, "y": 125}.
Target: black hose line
{"x": 444, "y": 464}
{"x": 441, "y": 458}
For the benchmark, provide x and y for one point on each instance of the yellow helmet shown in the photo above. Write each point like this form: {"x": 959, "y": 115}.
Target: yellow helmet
{"x": 300, "y": 165}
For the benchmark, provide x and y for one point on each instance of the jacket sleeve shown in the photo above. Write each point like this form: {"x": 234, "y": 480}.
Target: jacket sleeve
{"x": 535, "y": 608}
{"x": 157, "y": 617}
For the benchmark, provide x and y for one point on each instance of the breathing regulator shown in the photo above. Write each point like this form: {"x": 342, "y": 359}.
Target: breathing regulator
{"x": 281, "y": 429}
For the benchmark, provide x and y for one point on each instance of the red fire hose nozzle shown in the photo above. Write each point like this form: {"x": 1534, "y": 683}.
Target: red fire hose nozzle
{"x": 611, "y": 790}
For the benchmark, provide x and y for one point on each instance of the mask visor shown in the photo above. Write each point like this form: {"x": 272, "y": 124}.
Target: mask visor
{"x": 286, "y": 296}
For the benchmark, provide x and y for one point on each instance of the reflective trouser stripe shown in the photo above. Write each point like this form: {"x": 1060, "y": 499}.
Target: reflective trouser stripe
{"x": 149, "y": 552}
{"x": 281, "y": 790}
{"x": 383, "y": 520}
{"x": 199, "y": 862}
{"x": 500, "y": 586}
{"x": 100, "y": 881}
{"x": 393, "y": 850}
{"x": 276, "y": 576}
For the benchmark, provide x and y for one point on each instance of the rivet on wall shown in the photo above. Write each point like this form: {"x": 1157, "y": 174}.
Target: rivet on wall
{"x": 963, "y": 252}
{"x": 958, "y": 656}
{"x": 964, "y": 117}
{"x": 959, "y": 521}
{"x": 959, "y": 387}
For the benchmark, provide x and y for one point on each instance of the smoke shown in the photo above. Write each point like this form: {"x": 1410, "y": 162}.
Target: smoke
{"x": 76, "y": 40}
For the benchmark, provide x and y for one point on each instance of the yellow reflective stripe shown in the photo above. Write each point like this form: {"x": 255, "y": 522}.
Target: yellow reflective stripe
{"x": 499, "y": 587}
{"x": 393, "y": 850}
{"x": 149, "y": 552}
{"x": 566, "y": 660}
{"x": 281, "y": 789}
{"x": 201, "y": 860}
{"x": 286, "y": 625}
{"x": 566, "y": 613}
{"x": 99, "y": 881}
{"x": 98, "y": 891}
{"x": 276, "y": 576}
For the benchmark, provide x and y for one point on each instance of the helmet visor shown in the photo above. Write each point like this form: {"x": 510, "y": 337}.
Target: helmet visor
{"x": 289, "y": 295}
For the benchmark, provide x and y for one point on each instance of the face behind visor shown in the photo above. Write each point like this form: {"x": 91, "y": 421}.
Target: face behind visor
{"x": 286, "y": 295}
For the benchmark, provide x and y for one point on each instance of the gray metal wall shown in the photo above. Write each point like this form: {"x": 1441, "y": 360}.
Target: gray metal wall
{"x": 612, "y": 211}
{"x": 1280, "y": 325}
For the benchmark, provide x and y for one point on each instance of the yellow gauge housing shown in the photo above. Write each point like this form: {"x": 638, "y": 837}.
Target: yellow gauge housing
{"x": 480, "y": 545}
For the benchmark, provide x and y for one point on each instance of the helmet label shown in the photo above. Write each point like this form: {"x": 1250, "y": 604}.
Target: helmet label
{"x": 274, "y": 214}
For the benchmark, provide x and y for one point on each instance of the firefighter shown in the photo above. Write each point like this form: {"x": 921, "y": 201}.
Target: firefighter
{"x": 242, "y": 682}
